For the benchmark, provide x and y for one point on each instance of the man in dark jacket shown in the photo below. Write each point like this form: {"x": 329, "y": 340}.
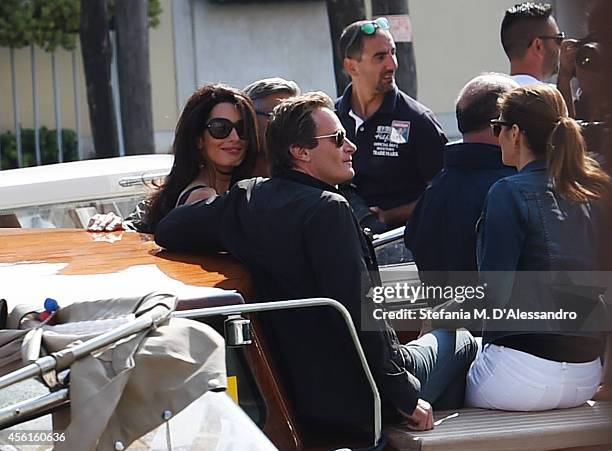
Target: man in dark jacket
{"x": 442, "y": 230}
{"x": 299, "y": 238}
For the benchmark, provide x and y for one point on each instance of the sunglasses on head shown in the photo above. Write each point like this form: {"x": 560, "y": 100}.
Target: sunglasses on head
{"x": 558, "y": 38}
{"x": 339, "y": 137}
{"x": 497, "y": 124}
{"x": 368, "y": 28}
{"x": 221, "y": 128}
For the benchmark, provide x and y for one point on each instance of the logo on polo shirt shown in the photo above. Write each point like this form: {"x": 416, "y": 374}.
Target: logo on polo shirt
{"x": 400, "y": 130}
{"x": 387, "y": 139}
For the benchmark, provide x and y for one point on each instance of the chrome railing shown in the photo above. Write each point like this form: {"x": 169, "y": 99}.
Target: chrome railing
{"x": 48, "y": 365}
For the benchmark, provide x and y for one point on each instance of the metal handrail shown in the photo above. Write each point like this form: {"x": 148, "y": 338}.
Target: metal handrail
{"x": 49, "y": 363}
{"x": 23, "y": 410}
{"x": 149, "y": 319}
{"x": 301, "y": 303}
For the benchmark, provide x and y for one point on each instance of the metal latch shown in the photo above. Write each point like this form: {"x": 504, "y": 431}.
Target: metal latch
{"x": 237, "y": 331}
{"x": 142, "y": 179}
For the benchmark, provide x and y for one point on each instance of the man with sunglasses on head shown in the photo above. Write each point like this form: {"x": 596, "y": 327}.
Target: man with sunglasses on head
{"x": 400, "y": 142}
{"x": 298, "y": 237}
{"x": 532, "y": 41}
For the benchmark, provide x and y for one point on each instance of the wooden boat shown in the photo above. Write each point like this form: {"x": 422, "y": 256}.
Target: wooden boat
{"x": 77, "y": 253}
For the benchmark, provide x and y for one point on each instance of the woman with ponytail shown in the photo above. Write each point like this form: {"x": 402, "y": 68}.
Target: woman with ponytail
{"x": 537, "y": 227}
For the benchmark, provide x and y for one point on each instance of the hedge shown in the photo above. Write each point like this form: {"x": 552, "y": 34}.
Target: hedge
{"x": 48, "y": 147}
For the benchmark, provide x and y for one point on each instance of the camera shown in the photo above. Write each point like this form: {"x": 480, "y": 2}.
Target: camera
{"x": 588, "y": 56}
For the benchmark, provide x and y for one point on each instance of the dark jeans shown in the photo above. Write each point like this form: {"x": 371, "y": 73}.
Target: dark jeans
{"x": 440, "y": 360}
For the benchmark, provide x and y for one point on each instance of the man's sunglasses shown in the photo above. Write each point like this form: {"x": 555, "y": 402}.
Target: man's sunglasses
{"x": 558, "y": 38}
{"x": 497, "y": 124}
{"x": 339, "y": 137}
{"x": 221, "y": 128}
{"x": 368, "y": 28}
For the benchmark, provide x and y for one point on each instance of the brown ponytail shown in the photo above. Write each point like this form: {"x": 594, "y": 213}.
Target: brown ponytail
{"x": 575, "y": 175}
{"x": 541, "y": 113}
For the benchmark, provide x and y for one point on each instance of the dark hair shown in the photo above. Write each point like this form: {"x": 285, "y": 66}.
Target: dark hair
{"x": 187, "y": 157}
{"x": 477, "y": 101}
{"x": 540, "y": 112}
{"x": 521, "y": 25}
{"x": 353, "y": 36}
{"x": 292, "y": 123}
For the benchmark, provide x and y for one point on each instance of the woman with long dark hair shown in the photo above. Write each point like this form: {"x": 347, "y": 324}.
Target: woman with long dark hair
{"x": 215, "y": 145}
{"x": 536, "y": 228}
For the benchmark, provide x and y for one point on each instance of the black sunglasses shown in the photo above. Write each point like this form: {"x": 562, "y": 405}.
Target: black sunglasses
{"x": 221, "y": 128}
{"x": 497, "y": 124}
{"x": 558, "y": 38}
{"x": 368, "y": 28}
{"x": 339, "y": 137}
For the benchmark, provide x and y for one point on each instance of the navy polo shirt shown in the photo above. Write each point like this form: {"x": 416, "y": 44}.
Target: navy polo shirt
{"x": 399, "y": 149}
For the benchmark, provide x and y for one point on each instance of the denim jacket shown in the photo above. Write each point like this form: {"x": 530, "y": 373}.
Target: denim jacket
{"x": 528, "y": 240}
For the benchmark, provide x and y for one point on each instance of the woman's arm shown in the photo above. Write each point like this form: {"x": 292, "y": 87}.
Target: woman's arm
{"x": 501, "y": 236}
{"x": 110, "y": 222}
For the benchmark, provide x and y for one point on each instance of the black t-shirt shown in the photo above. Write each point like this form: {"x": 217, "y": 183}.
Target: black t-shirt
{"x": 555, "y": 347}
{"x": 399, "y": 149}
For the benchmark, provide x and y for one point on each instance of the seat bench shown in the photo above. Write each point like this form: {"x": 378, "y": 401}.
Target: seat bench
{"x": 588, "y": 426}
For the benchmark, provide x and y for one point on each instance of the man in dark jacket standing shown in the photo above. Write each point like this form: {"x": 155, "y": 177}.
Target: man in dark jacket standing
{"x": 442, "y": 230}
{"x": 299, "y": 238}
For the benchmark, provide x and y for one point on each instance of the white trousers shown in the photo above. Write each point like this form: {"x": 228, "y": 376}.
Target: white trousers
{"x": 506, "y": 379}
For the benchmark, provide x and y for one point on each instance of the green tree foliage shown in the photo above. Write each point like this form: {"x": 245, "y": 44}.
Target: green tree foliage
{"x": 49, "y": 24}
{"x": 154, "y": 11}
{"x": 58, "y": 23}
{"x": 48, "y": 147}
{"x": 17, "y": 23}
